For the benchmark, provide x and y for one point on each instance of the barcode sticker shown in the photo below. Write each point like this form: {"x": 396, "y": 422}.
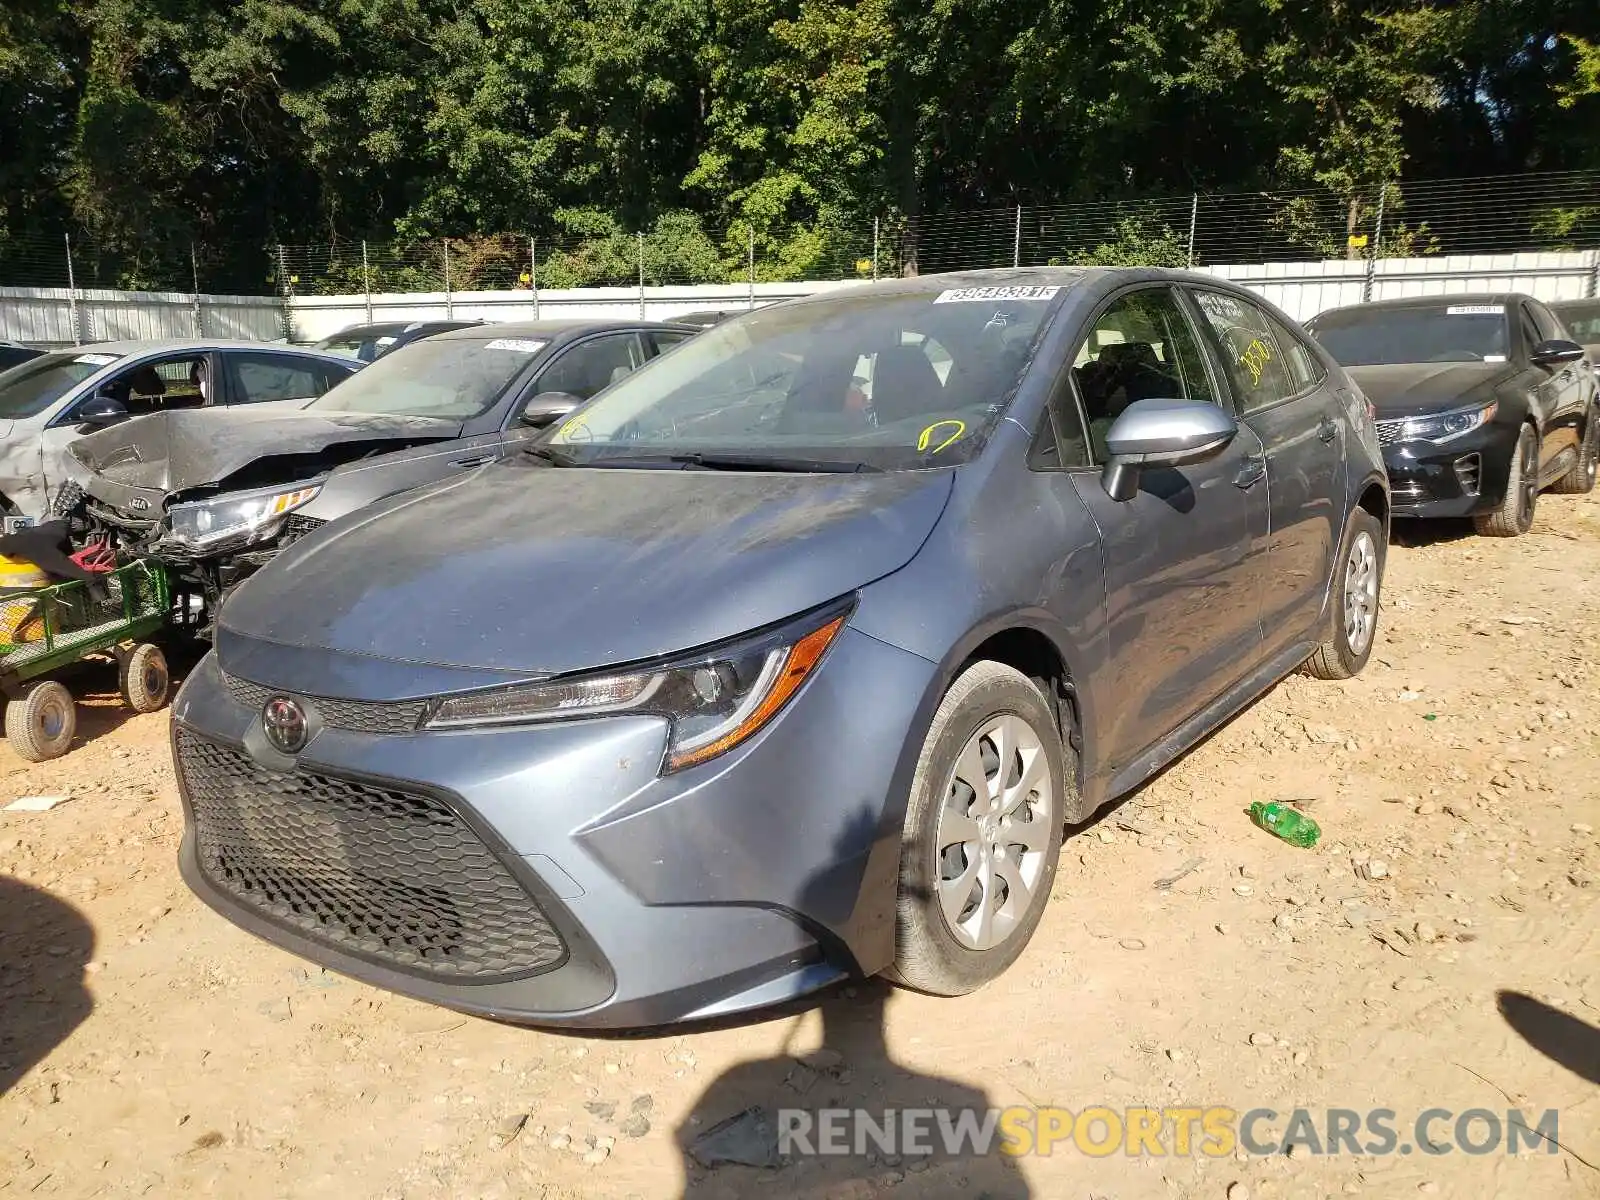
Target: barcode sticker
{"x": 990, "y": 295}
{"x": 97, "y": 360}
{"x": 1474, "y": 310}
{"x": 523, "y": 345}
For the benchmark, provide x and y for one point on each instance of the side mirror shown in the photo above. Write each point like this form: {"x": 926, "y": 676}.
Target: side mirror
{"x": 1161, "y": 433}
{"x": 100, "y": 411}
{"x": 1556, "y": 352}
{"x": 547, "y": 408}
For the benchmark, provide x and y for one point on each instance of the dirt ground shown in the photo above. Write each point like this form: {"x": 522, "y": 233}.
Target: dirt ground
{"x": 147, "y": 1047}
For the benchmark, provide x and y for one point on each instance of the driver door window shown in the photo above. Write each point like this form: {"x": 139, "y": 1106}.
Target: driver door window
{"x": 160, "y": 385}
{"x": 1141, "y": 348}
{"x": 1250, "y": 351}
{"x": 593, "y": 365}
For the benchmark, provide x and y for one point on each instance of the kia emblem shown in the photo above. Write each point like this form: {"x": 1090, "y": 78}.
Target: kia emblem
{"x": 284, "y": 722}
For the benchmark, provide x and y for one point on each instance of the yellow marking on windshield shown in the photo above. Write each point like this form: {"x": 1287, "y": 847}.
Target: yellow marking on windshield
{"x": 925, "y": 439}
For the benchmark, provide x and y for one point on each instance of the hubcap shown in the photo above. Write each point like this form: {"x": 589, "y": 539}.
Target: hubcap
{"x": 1361, "y": 594}
{"x": 52, "y": 720}
{"x": 152, "y": 681}
{"x": 993, "y": 831}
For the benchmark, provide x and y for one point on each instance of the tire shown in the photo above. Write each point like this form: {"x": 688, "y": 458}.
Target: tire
{"x": 1581, "y": 479}
{"x": 955, "y": 954}
{"x": 143, "y": 679}
{"x": 41, "y": 723}
{"x": 1357, "y": 585}
{"x": 1514, "y": 517}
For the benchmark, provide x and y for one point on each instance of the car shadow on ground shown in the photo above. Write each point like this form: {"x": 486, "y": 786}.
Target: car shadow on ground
{"x": 1564, "y": 1039}
{"x": 47, "y": 943}
{"x": 1413, "y": 535}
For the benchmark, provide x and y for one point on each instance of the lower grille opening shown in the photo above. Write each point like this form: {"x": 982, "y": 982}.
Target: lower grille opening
{"x": 1469, "y": 472}
{"x": 392, "y": 876}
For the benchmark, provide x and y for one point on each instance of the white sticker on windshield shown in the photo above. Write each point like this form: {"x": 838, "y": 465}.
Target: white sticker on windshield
{"x": 1494, "y": 358}
{"x": 1474, "y": 310}
{"x": 523, "y": 345}
{"x": 96, "y": 360}
{"x": 988, "y": 295}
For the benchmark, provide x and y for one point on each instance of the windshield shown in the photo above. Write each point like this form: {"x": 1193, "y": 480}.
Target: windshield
{"x": 1582, "y": 321}
{"x": 1386, "y": 336}
{"x": 452, "y": 378}
{"x": 29, "y": 389}
{"x": 364, "y": 349}
{"x": 886, "y": 379}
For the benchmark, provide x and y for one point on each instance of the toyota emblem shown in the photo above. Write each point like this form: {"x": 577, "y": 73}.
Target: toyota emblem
{"x": 284, "y": 722}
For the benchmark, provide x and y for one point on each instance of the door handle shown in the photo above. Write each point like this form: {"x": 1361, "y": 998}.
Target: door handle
{"x": 1251, "y": 472}
{"x": 475, "y": 461}
{"x": 1327, "y": 429}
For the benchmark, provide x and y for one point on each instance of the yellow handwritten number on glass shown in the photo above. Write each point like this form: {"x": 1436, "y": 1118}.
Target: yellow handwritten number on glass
{"x": 1256, "y": 356}
{"x": 926, "y": 438}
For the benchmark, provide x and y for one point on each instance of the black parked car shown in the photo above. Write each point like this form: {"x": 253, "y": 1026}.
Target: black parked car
{"x": 11, "y": 355}
{"x": 369, "y": 342}
{"x": 1482, "y": 402}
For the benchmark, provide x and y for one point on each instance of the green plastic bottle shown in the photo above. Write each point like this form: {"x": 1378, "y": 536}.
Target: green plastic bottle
{"x": 1289, "y": 824}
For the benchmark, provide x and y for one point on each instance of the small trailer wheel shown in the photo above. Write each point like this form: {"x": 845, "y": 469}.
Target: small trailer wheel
{"x": 143, "y": 679}
{"x": 41, "y": 723}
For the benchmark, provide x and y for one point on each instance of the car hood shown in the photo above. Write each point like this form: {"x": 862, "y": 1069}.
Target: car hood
{"x": 172, "y": 451}
{"x": 538, "y": 570}
{"x": 1411, "y": 388}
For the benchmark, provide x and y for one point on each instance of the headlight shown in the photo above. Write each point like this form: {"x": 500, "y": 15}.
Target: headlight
{"x": 248, "y": 515}
{"x": 1442, "y": 427}
{"x": 713, "y": 700}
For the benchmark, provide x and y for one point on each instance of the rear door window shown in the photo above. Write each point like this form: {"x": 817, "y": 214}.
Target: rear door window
{"x": 1250, "y": 352}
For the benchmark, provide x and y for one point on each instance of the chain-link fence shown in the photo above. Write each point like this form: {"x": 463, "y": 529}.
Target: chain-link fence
{"x": 1493, "y": 215}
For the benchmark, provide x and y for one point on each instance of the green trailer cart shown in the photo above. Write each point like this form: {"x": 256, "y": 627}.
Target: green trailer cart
{"x": 45, "y": 629}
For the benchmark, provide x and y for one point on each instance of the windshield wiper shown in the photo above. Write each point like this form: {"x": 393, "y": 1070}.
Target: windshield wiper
{"x": 714, "y": 461}
{"x": 554, "y": 457}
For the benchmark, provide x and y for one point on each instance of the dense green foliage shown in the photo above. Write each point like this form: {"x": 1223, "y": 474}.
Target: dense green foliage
{"x": 146, "y": 126}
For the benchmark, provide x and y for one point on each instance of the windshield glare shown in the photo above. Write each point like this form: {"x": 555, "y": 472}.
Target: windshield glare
{"x": 886, "y": 379}
{"x": 1389, "y": 336}
{"x": 452, "y": 378}
{"x": 27, "y": 390}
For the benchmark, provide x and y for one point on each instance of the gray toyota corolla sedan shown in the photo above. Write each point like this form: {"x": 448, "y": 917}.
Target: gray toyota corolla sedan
{"x": 789, "y": 656}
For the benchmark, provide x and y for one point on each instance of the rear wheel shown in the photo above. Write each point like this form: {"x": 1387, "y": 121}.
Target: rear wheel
{"x": 41, "y": 723}
{"x": 1355, "y": 599}
{"x": 982, "y": 834}
{"x": 1514, "y": 517}
{"x": 1581, "y": 479}
{"x": 142, "y": 678}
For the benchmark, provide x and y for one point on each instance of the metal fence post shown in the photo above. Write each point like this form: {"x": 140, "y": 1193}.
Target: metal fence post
{"x": 641, "y": 275}
{"x": 875, "y": 248}
{"x": 533, "y": 273}
{"x": 198, "y": 313}
{"x": 288, "y": 294}
{"x": 1594, "y": 274}
{"x": 449, "y": 300}
{"x": 1194, "y": 221}
{"x": 1375, "y": 249}
{"x": 752, "y": 241}
{"x": 366, "y": 279}
{"x": 72, "y": 296}
{"x": 1016, "y": 244}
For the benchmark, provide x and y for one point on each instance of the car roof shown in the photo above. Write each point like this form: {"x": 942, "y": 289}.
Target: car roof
{"x": 550, "y": 330}
{"x": 387, "y": 328}
{"x": 1499, "y": 299}
{"x": 197, "y": 345}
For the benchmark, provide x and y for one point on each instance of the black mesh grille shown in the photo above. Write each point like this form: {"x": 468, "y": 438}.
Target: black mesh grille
{"x": 355, "y": 716}
{"x": 1389, "y": 432}
{"x": 387, "y": 875}
{"x": 296, "y": 526}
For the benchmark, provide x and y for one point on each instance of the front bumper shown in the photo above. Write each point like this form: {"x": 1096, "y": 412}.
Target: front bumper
{"x": 1452, "y": 479}
{"x": 549, "y": 875}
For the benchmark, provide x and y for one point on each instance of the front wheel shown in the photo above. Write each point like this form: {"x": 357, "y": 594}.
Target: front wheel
{"x": 1355, "y": 599}
{"x": 982, "y": 833}
{"x": 1514, "y": 517}
{"x": 1581, "y": 479}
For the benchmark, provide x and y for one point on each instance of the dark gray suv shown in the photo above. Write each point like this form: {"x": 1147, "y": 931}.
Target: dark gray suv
{"x": 791, "y": 655}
